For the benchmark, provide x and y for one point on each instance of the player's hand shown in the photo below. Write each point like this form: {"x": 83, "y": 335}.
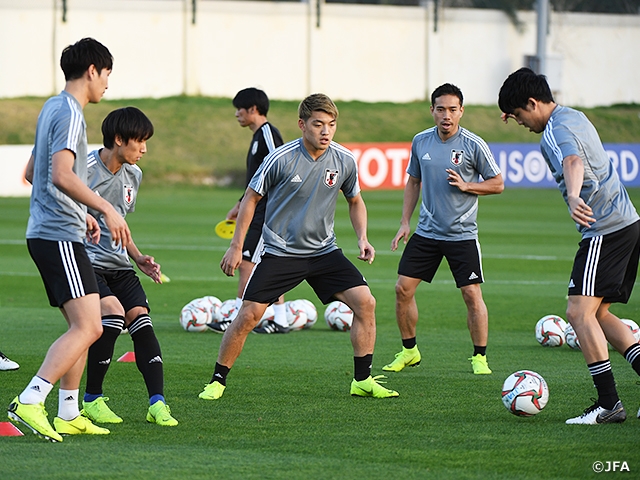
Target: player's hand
{"x": 230, "y": 261}
{"x": 455, "y": 180}
{"x": 403, "y": 233}
{"x": 506, "y": 116}
{"x": 120, "y": 233}
{"x": 93, "y": 229}
{"x": 149, "y": 267}
{"x": 581, "y": 212}
{"x": 233, "y": 213}
{"x": 367, "y": 252}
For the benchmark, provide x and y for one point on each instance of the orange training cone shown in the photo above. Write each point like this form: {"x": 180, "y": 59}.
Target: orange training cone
{"x": 128, "y": 357}
{"x": 8, "y": 429}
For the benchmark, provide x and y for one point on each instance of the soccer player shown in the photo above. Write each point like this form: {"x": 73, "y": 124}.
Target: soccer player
{"x": 58, "y": 223}
{"x": 7, "y": 364}
{"x": 446, "y": 163}
{"x": 303, "y": 179}
{"x": 115, "y": 176}
{"x": 606, "y": 264}
{"x": 252, "y": 106}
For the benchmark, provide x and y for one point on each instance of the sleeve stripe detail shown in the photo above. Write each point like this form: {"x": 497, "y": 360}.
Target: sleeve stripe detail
{"x": 268, "y": 137}
{"x": 270, "y": 159}
{"x": 485, "y": 149}
{"x": 74, "y": 127}
{"x": 550, "y": 140}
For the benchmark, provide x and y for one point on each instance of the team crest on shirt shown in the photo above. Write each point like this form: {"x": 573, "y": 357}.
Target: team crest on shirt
{"x": 330, "y": 178}
{"x": 128, "y": 194}
{"x": 456, "y": 157}
{"x": 254, "y": 148}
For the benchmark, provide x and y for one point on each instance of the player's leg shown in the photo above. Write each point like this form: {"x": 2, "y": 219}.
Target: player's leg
{"x": 101, "y": 354}
{"x": 270, "y": 279}
{"x": 616, "y": 332}
{"x": 478, "y": 324}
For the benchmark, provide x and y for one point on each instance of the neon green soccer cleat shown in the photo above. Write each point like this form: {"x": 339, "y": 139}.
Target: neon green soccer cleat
{"x": 212, "y": 391}
{"x": 160, "y": 413}
{"x": 78, "y": 426}
{"x": 408, "y": 357}
{"x": 98, "y": 411}
{"x": 371, "y": 388}
{"x": 34, "y": 417}
{"x": 480, "y": 365}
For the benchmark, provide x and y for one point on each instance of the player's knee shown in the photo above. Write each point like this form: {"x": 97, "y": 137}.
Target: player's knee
{"x": 403, "y": 292}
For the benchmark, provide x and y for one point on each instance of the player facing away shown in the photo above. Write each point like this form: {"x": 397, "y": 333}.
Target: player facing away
{"x": 252, "y": 106}
{"x": 446, "y": 164}
{"x": 606, "y": 264}
{"x": 303, "y": 179}
{"x": 115, "y": 176}
{"x": 58, "y": 223}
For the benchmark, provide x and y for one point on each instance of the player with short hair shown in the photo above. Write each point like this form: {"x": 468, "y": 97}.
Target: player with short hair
{"x": 303, "y": 179}
{"x": 115, "y": 176}
{"x": 447, "y": 160}
{"x": 252, "y": 106}
{"x": 606, "y": 264}
{"x": 58, "y": 223}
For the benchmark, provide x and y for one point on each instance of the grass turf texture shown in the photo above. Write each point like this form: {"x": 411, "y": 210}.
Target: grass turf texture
{"x": 287, "y": 410}
{"x": 198, "y": 140}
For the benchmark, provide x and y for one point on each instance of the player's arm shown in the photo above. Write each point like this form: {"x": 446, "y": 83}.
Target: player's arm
{"x": 28, "y": 173}
{"x": 65, "y": 179}
{"x": 145, "y": 263}
{"x": 490, "y": 186}
{"x": 409, "y": 202}
{"x": 573, "y": 170}
{"x": 358, "y": 215}
{"x": 233, "y": 256}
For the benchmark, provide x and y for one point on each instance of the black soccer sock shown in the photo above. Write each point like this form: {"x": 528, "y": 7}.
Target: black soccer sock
{"x": 362, "y": 367}
{"x": 220, "y": 373}
{"x": 604, "y": 383}
{"x": 148, "y": 354}
{"x": 101, "y": 352}
{"x": 479, "y": 350}
{"x": 632, "y": 355}
{"x": 409, "y": 343}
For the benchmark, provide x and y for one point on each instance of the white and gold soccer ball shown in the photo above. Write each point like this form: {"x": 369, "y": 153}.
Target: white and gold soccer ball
{"x": 196, "y": 315}
{"x": 338, "y": 316}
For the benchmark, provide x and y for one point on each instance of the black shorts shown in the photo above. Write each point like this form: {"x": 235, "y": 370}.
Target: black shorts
{"x": 327, "y": 274}
{"x": 422, "y": 256}
{"x": 65, "y": 269}
{"x": 253, "y": 246}
{"x": 124, "y": 285}
{"x": 607, "y": 265}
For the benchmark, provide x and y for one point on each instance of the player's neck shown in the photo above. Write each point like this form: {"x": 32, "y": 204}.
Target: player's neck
{"x": 258, "y": 123}
{"x": 78, "y": 90}
{"x": 110, "y": 160}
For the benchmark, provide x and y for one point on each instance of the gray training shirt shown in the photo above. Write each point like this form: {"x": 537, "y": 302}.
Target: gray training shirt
{"x": 120, "y": 190}
{"x": 569, "y": 132}
{"x": 302, "y": 197}
{"x": 446, "y": 213}
{"x": 53, "y": 215}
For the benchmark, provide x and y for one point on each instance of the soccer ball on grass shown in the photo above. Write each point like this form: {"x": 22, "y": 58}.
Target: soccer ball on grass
{"x": 338, "y": 316}
{"x": 525, "y": 393}
{"x": 550, "y": 331}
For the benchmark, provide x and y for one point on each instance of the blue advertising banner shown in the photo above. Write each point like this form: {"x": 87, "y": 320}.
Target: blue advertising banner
{"x": 522, "y": 164}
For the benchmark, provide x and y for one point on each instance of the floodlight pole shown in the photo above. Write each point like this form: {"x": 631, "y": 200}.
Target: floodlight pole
{"x": 542, "y": 7}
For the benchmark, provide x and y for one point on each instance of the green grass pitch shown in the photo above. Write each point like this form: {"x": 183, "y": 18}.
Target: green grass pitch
{"x": 287, "y": 412}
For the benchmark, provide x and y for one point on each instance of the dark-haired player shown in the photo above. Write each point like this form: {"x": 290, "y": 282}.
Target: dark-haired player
{"x": 58, "y": 224}
{"x": 115, "y": 176}
{"x": 446, "y": 163}
{"x": 606, "y": 264}
{"x": 252, "y": 106}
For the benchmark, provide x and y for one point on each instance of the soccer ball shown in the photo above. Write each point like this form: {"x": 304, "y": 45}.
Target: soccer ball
{"x": 213, "y": 304}
{"x": 268, "y": 314}
{"x": 296, "y": 314}
{"x": 525, "y": 393}
{"x": 571, "y": 337}
{"x": 228, "y": 311}
{"x": 550, "y": 331}
{"x": 338, "y": 316}
{"x": 633, "y": 326}
{"x": 312, "y": 313}
{"x": 195, "y": 315}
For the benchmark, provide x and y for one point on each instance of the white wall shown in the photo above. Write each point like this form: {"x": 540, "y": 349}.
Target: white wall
{"x": 359, "y": 52}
